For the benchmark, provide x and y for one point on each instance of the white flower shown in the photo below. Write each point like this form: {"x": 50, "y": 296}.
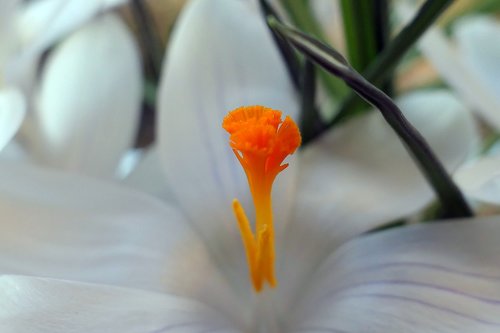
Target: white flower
{"x": 91, "y": 82}
{"x": 89, "y": 100}
{"x": 468, "y": 61}
{"x": 94, "y": 257}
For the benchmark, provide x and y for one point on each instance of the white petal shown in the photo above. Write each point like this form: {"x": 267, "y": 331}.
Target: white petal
{"x": 457, "y": 71}
{"x": 148, "y": 176}
{"x": 8, "y": 40}
{"x": 427, "y": 278}
{"x": 64, "y": 226}
{"x": 221, "y": 56}
{"x": 480, "y": 180}
{"x": 90, "y": 99}
{"x": 478, "y": 40}
{"x": 12, "y": 111}
{"x": 360, "y": 176}
{"x": 37, "y": 305}
{"x": 44, "y": 22}
{"x": 40, "y": 25}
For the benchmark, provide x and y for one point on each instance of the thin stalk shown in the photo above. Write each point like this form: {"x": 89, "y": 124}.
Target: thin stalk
{"x": 383, "y": 66}
{"x": 452, "y": 200}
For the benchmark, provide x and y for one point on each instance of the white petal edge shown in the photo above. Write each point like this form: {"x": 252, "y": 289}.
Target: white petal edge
{"x": 221, "y": 56}
{"x": 12, "y": 112}
{"x": 427, "y": 278}
{"x": 478, "y": 40}
{"x": 360, "y": 176}
{"x": 38, "y": 305}
{"x": 89, "y": 99}
{"x": 148, "y": 176}
{"x": 44, "y": 22}
{"x": 480, "y": 180}
{"x": 457, "y": 72}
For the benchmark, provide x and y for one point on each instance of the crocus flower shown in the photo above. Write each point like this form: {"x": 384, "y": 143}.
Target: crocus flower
{"x": 96, "y": 257}
{"x": 91, "y": 83}
{"x": 75, "y": 101}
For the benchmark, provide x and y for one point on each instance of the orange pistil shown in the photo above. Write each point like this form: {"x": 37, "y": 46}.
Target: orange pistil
{"x": 261, "y": 141}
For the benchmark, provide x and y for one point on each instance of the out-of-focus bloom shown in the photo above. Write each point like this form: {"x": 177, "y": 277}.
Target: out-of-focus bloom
{"x": 90, "y": 83}
{"x": 182, "y": 260}
{"x": 88, "y": 102}
{"x": 468, "y": 61}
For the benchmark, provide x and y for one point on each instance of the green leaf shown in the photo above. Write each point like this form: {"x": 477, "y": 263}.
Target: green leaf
{"x": 392, "y": 54}
{"x": 360, "y": 32}
{"x": 303, "y": 18}
{"x": 310, "y": 121}
{"x": 293, "y": 63}
{"x": 148, "y": 37}
{"x": 382, "y": 67}
{"x": 366, "y": 29}
{"x": 452, "y": 200}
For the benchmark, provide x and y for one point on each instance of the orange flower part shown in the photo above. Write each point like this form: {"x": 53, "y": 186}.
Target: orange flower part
{"x": 261, "y": 141}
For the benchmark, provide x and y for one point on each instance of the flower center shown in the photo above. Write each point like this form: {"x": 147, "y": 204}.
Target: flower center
{"x": 261, "y": 141}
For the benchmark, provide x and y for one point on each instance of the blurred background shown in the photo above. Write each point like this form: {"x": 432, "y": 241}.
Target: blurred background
{"x": 79, "y": 67}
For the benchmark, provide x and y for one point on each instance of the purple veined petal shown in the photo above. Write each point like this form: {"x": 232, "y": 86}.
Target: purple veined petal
{"x": 221, "y": 56}
{"x": 41, "y": 305}
{"x": 89, "y": 99}
{"x": 360, "y": 176}
{"x": 12, "y": 112}
{"x": 426, "y": 278}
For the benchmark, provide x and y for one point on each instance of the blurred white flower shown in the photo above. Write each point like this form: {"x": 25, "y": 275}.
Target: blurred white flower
{"x": 84, "y": 110}
{"x": 467, "y": 61}
{"x": 88, "y": 103}
{"x": 182, "y": 259}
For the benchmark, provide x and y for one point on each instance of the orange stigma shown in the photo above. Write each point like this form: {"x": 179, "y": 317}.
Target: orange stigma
{"x": 261, "y": 141}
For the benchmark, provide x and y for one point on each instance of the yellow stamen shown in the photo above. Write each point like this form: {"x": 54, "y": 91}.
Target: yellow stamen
{"x": 261, "y": 141}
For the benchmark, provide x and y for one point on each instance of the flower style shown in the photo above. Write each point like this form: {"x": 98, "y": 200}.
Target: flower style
{"x": 92, "y": 256}
{"x": 260, "y": 141}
